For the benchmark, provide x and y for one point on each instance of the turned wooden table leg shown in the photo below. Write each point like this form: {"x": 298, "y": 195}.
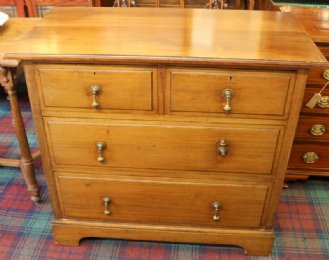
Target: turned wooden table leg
{"x": 26, "y": 162}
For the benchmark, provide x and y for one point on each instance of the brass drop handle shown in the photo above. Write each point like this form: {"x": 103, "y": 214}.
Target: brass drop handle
{"x": 216, "y": 206}
{"x": 323, "y": 102}
{"x": 107, "y": 201}
{"x": 318, "y": 129}
{"x": 228, "y": 94}
{"x": 310, "y": 157}
{"x": 95, "y": 90}
{"x": 222, "y": 149}
{"x": 100, "y": 147}
{"x": 325, "y": 75}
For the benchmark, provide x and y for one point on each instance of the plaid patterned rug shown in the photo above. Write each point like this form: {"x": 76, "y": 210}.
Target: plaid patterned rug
{"x": 302, "y": 227}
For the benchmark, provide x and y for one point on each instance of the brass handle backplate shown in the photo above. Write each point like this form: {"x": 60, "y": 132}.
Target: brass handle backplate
{"x": 222, "y": 149}
{"x": 216, "y": 206}
{"x": 310, "y": 157}
{"x": 107, "y": 201}
{"x": 323, "y": 102}
{"x": 325, "y": 74}
{"x": 318, "y": 129}
{"x": 100, "y": 147}
{"x": 95, "y": 90}
{"x": 228, "y": 94}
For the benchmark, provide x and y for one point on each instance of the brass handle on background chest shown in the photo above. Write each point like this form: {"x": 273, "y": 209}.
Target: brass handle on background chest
{"x": 95, "y": 90}
{"x": 100, "y": 148}
{"x": 107, "y": 201}
{"x": 318, "y": 129}
{"x": 310, "y": 157}
{"x": 222, "y": 148}
{"x": 325, "y": 75}
{"x": 228, "y": 94}
{"x": 216, "y": 206}
{"x": 323, "y": 102}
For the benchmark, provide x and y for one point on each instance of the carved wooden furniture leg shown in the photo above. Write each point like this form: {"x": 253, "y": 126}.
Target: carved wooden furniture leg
{"x": 124, "y": 3}
{"x": 250, "y": 4}
{"x": 8, "y": 81}
{"x": 214, "y": 4}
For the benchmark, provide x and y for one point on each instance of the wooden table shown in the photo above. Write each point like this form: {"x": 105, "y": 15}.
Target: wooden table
{"x": 166, "y": 124}
{"x": 11, "y": 31}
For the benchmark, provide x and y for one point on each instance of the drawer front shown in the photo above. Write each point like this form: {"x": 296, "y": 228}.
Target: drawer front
{"x": 253, "y": 92}
{"x": 315, "y": 75}
{"x": 322, "y": 106}
{"x": 100, "y": 87}
{"x": 309, "y": 157}
{"x": 313, "y": 128}
{"x": 195, "y": 148}
{"x": 162, "y": 202}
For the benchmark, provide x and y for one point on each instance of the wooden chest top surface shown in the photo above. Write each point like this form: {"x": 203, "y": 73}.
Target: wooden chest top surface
{"x": 13, "y": 30}
{"x": 174, "y": 35}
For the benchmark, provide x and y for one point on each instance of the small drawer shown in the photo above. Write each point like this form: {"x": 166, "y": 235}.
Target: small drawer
{"x": 313, "y": 129}
{"x": 161, "y": 201}
{"x": 128, "y": 144}
{"x": 97, "y": 88}
{"x": 322, "y": 107}
{"x": 317, "y": 75}
{"x": 213, "y": 92}
{"x": 309, "y": 157}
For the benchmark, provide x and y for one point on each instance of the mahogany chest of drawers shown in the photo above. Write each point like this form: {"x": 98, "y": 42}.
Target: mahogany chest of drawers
{"x": 310, "y": 151}
{"x": 168, "y": 126}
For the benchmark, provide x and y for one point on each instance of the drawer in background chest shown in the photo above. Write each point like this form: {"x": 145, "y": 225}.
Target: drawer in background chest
{"x": 211, "y": 92}
{"x": 105, "y": 88}
{"x": 322, "y": 106}
{"x": 309, "y": 157}
{"x": 132, "y": 144}
{"x": 313, "y": 128}
{"x": 318, "y": 75}
{"x": 162, "y": 202}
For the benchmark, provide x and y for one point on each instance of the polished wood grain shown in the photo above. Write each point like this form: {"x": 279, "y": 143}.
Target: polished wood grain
{"x": 316, "y": 75}
{"x": 13, "y": 30}
{"x": 196, "y": 92}
{"x": 315, "y": 22}
{"x": 155, "y": 146}
{"x": 307, "y": 122}
{"x": 297, "y": 162}
{"x": 70, "y": 87}
{"x": 309, "y": 92}
{"x": 194, "y": 208}
{"x": 176, "y": 35}
{"x": 253, "y": 241}
{"x": 167, "y": 157}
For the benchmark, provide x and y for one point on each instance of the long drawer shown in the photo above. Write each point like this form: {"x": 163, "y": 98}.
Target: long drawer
{"x": 213, "y": 92}
{"x": 224, "y": 148}
{"x": 97, "y": 87}
{"x": 162, "y": 202}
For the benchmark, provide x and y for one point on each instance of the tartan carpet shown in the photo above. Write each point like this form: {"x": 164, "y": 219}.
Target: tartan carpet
{"x": 302, "y": 226}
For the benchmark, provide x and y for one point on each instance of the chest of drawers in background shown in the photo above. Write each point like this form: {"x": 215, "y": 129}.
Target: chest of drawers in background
{"x": 181, "y": 137}
{"x": 310, "y": 152}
